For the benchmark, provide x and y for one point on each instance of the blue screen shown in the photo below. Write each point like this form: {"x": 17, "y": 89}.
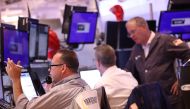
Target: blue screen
{"x": 174, "y": 22}
{"x": 16, "y": 46}
{"x": 82, "y": 27}
{"x": 185, "y": 37}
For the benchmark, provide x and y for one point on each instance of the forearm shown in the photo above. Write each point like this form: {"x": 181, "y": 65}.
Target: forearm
{"x": 17, "y": 89}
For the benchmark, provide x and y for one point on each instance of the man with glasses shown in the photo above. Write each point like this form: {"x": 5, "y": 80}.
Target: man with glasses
{"x": 152, "y": 58}
{"x": 66, "y": 83}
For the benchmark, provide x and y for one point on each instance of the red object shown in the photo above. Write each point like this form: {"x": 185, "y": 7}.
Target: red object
{"x": 117, "y": 10}
{"x": 53, "y": 44}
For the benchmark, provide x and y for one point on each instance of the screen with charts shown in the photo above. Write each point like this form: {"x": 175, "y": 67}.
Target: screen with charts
{"x": 90, "y": 76}
{"x": 15, "y": 46}
{"x": 82, "y": 27}
{"x": 27, "y": 86}
{"x": 174, "y": 22}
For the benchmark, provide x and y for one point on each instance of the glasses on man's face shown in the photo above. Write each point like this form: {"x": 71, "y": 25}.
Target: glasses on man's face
{"x": 131, "y": 33}
{"x": 54, "y": 65}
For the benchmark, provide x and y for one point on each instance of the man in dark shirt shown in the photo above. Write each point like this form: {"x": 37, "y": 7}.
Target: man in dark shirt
{"x": 153, "y": 56}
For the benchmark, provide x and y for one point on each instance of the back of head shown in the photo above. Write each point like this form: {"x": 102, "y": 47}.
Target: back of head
{"x": 70, "y": 58}
{"x": 140, "y": 22}
{"x": 105, "y": 54}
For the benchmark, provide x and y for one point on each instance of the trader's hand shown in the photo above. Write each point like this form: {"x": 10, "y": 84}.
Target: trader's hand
{"x": 174, "y": 90}
{"x": 13, "y": 70}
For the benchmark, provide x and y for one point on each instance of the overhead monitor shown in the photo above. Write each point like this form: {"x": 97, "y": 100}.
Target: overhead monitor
{"x": 27, "y": 85}
{"x": 82, "y": 28}
{"x": 42, "y": 44}
{"x": 91, "y": 76}
{"x": 15, "y": 46}
{"x": 67, "y": 16}
{"x": 174, "y": 22}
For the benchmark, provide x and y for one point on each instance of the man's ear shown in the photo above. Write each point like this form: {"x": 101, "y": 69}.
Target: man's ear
{"x": 64, "y": 67}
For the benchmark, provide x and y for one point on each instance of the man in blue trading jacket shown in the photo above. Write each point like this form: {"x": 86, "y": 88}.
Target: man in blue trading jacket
{"x": 67, "y": 83}
{"x": 152, "y": 58}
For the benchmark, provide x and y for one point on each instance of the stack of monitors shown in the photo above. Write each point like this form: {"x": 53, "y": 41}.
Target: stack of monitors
{"x": 38, "y": 41}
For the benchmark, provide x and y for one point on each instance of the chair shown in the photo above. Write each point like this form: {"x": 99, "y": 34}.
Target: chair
{"x": 148, "y": 96}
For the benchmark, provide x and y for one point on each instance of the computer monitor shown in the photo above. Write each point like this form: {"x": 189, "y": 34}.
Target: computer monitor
{"x": 41, "y": 69}
{"x": 32, "y": 40}
{"x": 67, "y": 16}
{"x": 185, "y": 37}
{"x": 24, "y": 23}
{"x": 174, "y": 22}
{"x": 15, "y": 46}
{"x": 4, "y": 25}
{"x": 42, "y": 41}
{"x": 82, "y": 28}
{"x": 27, "y": 85}
{"x": 37, "y": 83}
{"x": 91, "y": 76}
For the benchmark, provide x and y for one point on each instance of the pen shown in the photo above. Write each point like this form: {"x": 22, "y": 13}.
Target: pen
{"x": 16, "y": 65}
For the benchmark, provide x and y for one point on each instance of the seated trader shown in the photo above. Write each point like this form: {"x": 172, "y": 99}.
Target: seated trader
{"x": 153, "y": 56}
{"x": 117, "y": 82}
{"x": 67, "y": 83}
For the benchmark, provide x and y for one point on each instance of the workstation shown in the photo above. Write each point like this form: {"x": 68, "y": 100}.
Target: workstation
{"x": 32, "y": 32}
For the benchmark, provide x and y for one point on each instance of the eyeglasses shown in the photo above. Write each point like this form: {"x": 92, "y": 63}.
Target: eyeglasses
{"x": 132, "y": 32}
{"x": 52, "y": 65}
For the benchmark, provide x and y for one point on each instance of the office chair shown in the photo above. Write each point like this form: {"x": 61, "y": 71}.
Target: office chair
{"x": 148, "y": 96}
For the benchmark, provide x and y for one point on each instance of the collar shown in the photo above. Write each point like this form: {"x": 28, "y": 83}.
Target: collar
{"x": 152, "y": 35}
{"x": 110, "y": 69}
{"x": 67, "y": 79}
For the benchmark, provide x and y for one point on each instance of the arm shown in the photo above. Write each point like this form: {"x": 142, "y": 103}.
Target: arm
{"x": 14, "y": 73}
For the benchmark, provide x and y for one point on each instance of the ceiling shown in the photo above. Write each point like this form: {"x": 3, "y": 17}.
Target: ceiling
{"x": 41, "y": 9}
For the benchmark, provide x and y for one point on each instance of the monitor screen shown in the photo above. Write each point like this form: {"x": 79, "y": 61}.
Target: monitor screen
{"x": 67, "y": 16}
{"x": 82, "y": 27}
{"x": 27, "y": 86}
{"x": 174, "y": 22}
{"x": 91, "y": 77}
{"x": 185, "y": 37}
{"x": 15, "y": 46}
{"x": 42, "y": 41}
{"x": 32, "y": 40}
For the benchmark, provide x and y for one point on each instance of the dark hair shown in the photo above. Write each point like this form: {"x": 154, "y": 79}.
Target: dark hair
{"x": 69, "y": 57}
{"x": 139, "y": 21}
{"x": 105, "y": 54}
